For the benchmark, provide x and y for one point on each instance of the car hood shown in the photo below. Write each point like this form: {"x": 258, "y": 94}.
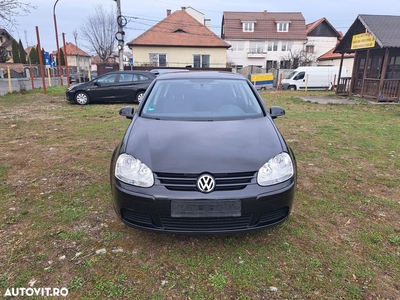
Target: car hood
{"x": 204, "y": 146}
{"x": 77, "y": 85}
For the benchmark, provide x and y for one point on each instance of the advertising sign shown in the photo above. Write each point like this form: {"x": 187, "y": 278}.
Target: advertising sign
{"x": 363, "y": 40}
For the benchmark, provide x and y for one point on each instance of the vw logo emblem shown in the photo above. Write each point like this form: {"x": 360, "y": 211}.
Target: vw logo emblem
{"x": 206, "y": 183}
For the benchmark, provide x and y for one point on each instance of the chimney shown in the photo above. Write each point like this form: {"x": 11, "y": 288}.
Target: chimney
{"x": 183, "y": 8}
{"x": 207, "y": 23}
{"x": 168, "y": 12}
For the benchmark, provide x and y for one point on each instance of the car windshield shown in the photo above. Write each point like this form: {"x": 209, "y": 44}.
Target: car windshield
{"x": 201, "y": 99}
{"x": 291, "y": 75}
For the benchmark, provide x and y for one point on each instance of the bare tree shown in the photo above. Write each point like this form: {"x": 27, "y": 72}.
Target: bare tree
{"x": 296, "y": 58}
{"x": 99, "y": 31}
{"x": 11, "y": 9}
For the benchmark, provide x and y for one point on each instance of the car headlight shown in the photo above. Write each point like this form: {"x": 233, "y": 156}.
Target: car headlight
{"x": 276, "y": 170}
{"x": 132, "y": 171}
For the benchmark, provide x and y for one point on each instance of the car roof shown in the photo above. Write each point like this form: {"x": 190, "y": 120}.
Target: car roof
{"x": 129, "y": 71}
{"x": 201, "y": 75}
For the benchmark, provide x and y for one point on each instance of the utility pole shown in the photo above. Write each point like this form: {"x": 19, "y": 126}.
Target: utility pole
{"x": 121, "y": 20}
{"x": 58, "y": 48}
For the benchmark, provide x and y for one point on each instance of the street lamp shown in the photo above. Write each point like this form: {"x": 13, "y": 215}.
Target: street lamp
{"x": 58, "y": 48}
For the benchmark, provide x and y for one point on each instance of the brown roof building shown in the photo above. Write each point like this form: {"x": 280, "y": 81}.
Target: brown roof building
{"x": 179, "y": 40}
{"x": 77, "y": 59}
{"x": 321, "y": 38}
{"x": 264, "y": 39}
{"x": 265, "y": 25}
{"x": 375, "y": 42}
{"x": 6, "y": 43}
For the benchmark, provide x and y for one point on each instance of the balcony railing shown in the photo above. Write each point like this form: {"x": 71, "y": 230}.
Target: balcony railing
{"x": 256, "y": 53}
{"x": 343, "y": 87}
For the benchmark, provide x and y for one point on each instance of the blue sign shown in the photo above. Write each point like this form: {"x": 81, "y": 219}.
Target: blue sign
{"x": 131, "y": 61}
{"x": 47, "y": 59}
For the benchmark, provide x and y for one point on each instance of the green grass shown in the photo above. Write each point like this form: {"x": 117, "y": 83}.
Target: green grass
{"x": 342, "y": 240}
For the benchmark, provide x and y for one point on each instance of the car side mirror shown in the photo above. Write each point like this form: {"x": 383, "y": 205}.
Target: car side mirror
{"x": 127, "y": 112}
{"x": 276, "y": 111}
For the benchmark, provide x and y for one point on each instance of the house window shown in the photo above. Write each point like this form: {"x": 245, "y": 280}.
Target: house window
{"x": 237, "y": 46}
{"x": 272, "y": 46}
{"x": 256, "y": 47}
{"x": 201, "y": 61}
{"x": 285, "y": 64}
{"x": 310, "y": 48}
{"x": 282, "y": 27}
{"x": 248, "y": 26}
{"x": 158, "y": 60}
{"x": 286, "y": 46}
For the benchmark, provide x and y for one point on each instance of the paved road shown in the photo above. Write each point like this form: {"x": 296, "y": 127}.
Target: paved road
{"x": 18, "y": 83}
{"x": 330, "y": 100}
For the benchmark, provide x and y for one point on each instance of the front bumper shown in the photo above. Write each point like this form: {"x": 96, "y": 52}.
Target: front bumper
{"x": 285, "y": 86}
{"x": 150, "y": 209}
{"x": 69, "y": 96}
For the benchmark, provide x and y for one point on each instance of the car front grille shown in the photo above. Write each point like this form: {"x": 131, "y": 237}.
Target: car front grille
{"x": 223, "y": 181}
{"x": 205, "y": 224}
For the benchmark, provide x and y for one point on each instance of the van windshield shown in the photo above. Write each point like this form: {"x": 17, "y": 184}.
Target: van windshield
{"x": 291, "y": 75}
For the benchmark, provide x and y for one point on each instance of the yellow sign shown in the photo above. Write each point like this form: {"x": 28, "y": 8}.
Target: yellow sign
{"x": 363, "y": 40}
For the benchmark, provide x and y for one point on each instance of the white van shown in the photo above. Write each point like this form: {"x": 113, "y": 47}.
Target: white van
{"x": 313, "y": 78}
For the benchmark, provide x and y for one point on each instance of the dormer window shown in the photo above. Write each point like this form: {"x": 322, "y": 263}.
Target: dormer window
{"x": 179, "y": 31}
{"x": 248, "y": 26}
{"x": 282, "y": 26}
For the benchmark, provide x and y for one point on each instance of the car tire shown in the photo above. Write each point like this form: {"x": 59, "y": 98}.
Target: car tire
{"x": 292, "y": 88}
{"x": 139, "y": 96}
{"x": 82, "y": 98}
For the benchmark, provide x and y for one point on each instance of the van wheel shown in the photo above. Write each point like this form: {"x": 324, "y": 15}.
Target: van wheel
{"x": 292, "y": 88}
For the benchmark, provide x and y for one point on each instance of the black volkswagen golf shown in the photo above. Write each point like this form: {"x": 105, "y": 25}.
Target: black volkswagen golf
{"x": 202, "y": 154}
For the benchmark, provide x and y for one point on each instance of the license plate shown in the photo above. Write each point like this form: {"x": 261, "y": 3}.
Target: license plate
{"x": 205, "y": 208}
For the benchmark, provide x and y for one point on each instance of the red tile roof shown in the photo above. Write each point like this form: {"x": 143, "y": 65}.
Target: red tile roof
{"x": 331, "y": 55}
{"x": 179, "y": 29}
{"x": 265, "y": 26}
{"x": 72, "y": 49}
{"x": 29, "y": 49}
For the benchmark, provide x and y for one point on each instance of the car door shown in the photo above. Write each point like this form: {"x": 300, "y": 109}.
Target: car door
{"x": 102, "y": 89}
{"x": 125, "y": 88}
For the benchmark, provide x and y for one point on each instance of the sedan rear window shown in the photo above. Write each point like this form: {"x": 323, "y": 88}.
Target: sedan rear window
{"x": 200, "y": 99}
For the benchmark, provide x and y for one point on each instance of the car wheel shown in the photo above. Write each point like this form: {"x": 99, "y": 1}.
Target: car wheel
{"x": 292, "y": 88}
{"x": 139, "y": 96}
{"x": 81, "y": 98}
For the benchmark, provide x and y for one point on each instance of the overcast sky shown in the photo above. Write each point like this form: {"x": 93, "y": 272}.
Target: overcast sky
{"x": 142, "y": 15}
